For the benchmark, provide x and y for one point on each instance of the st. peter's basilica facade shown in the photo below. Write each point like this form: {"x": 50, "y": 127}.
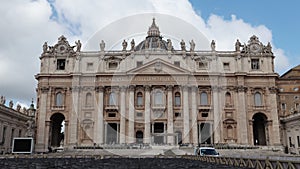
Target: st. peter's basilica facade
{"x": 154, "y": 94}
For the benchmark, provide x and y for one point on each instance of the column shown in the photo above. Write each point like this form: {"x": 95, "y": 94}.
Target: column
{"x": 217, "y": 116}
{"x": 74, "y": 114}
{"x": 105, "y": 132}
{"x": 194, "y": 116}
{"x": 186, "y": 116}
{"x": 98, "y": 131}
{"x": 122, "y": 115}
{"x": 41, "y": 143}
{"x": 275, "y": 138}
{"x": 131, "y": 136}
{"x": 170, "y": 126}
{"x": 147, "y": 135}
{"x": 242, "y": 118}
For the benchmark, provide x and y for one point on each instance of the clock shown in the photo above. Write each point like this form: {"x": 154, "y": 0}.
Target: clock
{"x": 61, "y": 48}
{"x": 255, "y": 48}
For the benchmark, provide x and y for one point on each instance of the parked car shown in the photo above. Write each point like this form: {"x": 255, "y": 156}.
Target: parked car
{"x": 207, "y": 151}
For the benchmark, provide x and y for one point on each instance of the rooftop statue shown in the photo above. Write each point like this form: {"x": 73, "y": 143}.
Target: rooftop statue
{"x": 45, "y": 47}
{"x": 2, "y": 100}
{"x": 11, "y": 104}
{"x": 182, "y": 44}
{"x": 78, "y": 46}
{"x": 213, "y": 45}
{"x": 132, "y": 44}
{"x": 124, "y": 44}
{"x": 102, "y": 45}
{"x": 192, "y": 45}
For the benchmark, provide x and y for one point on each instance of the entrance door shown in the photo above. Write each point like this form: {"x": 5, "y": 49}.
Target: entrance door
{"x": 259, "y": 129}
{"x": 204, "y": 133}
{"x": 139, "y": 137}
{"x": 112, "y": 133}
{"x": 159, "y": 128}
{"x": 57, "y": 132}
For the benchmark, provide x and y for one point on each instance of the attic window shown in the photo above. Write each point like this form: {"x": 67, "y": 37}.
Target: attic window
{"x": 226, "y": 66}
{"x": 202, "y": 65}
{"x": 139, "y": 63}
{"x": 112, "y": 65}
{"x": 61, "y": 63}
{"x": 177, "y": 63}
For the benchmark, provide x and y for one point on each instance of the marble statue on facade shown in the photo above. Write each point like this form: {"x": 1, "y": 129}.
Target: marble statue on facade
{"x": 30, "y": 128}
{"x": 237, "y": 45}
{"x": 2, "y": 100}
{"x": 213, "y": 45}
{"x": 18, "y": 107}
{"x": 169, "y": 46}
{"x": 11, "y": 104}
{"x": 45, "y": 47}
{"x": 192, "y": 46}
{"x": 146, "y": 44}
{"x": 102, "y": 45}
{"x": 132, "y": 44}
{"x": 78, "y": 46}
{"x": 124, "y": 44}
{"x": 182, "y": 44}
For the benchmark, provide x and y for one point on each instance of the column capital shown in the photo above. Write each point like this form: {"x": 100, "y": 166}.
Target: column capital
{"x": 169, "y": 87}
{"x": 44, "y": 89}
{"x": 123, "y": 88}
{"x": 131, "y": 88}
{"x": 147, "y": 88}
{"x": 241, "y": 89}
{"x": 99, "y": 88}
{"x": 273, "y": 90}
{"x": 194, "y": 88}
{"x": 185, "y": 87}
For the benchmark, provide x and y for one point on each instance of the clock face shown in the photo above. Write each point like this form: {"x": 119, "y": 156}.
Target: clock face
{"x": 255, "y": 48}
{"x": 61, "y": 48}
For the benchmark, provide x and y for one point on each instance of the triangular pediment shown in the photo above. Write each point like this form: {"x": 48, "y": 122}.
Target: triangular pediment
{"x": 158, "y": 66}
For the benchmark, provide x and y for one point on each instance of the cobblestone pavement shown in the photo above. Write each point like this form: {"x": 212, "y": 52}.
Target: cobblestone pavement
{"x": 110, "y": 163}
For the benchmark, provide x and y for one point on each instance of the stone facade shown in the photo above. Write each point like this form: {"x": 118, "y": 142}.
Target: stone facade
{"x": 289, "y": 109}
{"x": 154, "y": 94}
{"x": 13, "y": 123}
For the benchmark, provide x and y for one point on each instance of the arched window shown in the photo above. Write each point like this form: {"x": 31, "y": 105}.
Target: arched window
{"x": 227, "y": 98}
{"x": 158, "y": 98}
{"x": 203, "y": 98}
{"x": 59, "y": 99}
{"x": 139, "y": 99}
{"x": 88, "y": 100}
{"x": 177, "y": 99}
{"x": 257, "y": 99}
{"x": 112, "y": 99}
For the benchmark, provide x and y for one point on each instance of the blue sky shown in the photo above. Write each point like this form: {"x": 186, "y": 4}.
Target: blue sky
{"x": 281, "y": 17}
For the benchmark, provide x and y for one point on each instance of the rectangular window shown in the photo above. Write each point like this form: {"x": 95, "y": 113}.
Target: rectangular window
{"x": 61, "y": 63}
{"x": 298, "y": 140}
{"x": 177, "y": 114}
{"x": 226, "y": 66}
{"x": 202, "y": 65}
{"x": 139, "y": 63}
{"x": 112, "y": 65}
{"x": 255, "y": 64}
{"x": 139, "y": 114}
{"x": 177, "y": 63}
{"x": 283, "y": 106}
{"x": 111, "y": 114}
{"x": 204, "y": 114}
{"x": 89, "y": 66}
{"x": 12, "y": 136}
{"x": 4, "y": 134}
{"x": 290, "y": 142}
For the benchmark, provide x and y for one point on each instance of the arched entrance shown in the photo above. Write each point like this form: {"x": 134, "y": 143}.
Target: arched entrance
{"x": 57, "y": 129}
{"x": 139, "y": 137}
{"x": 259, "y": 129}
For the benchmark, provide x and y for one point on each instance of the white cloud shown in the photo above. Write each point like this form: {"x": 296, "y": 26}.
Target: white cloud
{"x": 25, "y": 25}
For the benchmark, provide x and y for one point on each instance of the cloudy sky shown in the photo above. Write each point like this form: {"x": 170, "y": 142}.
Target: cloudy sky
{"x": 27, "y": 24}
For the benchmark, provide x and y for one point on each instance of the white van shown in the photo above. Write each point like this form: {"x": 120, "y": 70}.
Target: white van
{"x": 207, "y": 151}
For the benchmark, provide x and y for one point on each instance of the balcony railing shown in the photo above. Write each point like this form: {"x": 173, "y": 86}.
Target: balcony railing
{"x": 204, "y": 107}
{"x": 111, "y": 107}
{"x": 58, "y": 108}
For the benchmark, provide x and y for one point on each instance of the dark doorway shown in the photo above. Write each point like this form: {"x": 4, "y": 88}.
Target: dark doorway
{"x": 158, "y": 128}
{"x": 57, "y": 133}
{"x": 204, "y": 133}
{"x": 112, "y": 133}
{"x": 179, "y": 137}
{"x": 139, "y": 137}
{"x": 259, "y": 129}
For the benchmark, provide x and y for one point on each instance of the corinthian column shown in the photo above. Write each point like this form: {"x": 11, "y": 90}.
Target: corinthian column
{"x": 147, "y": 136}
{"x": 98, "y": 132}
{"x": 122, "y": 116}
{"x": 217, "y": 118}
{"x": 186, "y": 115}
{"x": 131, "y": 115}
{"x": 170, "y": 125}
{"x": 194, "y": 116}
